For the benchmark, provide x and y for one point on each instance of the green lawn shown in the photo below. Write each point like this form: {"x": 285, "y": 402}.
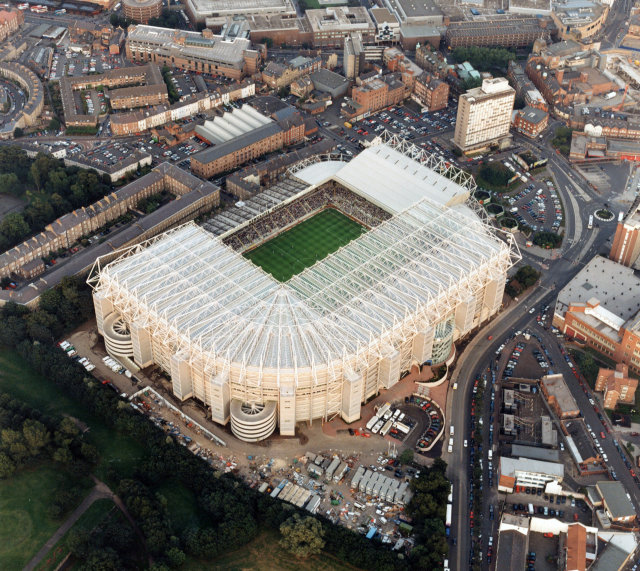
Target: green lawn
{"x": 265, "y": 554}
{"x": 17, "y": 379}
{"x": 24, "y": 523}
{"x": 88, "y": 520}
{"x": 303, "y": 245}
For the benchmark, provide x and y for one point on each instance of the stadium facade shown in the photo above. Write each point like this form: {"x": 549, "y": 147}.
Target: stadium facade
{"x": 263, "y": 354}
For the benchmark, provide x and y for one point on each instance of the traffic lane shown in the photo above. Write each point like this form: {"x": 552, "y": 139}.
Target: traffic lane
{"x": 590, "y": 416}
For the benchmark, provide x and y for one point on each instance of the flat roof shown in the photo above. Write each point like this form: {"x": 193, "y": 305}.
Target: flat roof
{"x": 556, "y": 386}
{"x": 511, "y": 466}
{"x": 535, "y": 453}
{"x": 615, "y": 286}
{"x": 615, "y": 497}
{"x": 512, "y": 550}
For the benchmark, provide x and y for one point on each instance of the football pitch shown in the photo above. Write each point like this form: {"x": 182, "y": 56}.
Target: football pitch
{"x": 303, "y": 245}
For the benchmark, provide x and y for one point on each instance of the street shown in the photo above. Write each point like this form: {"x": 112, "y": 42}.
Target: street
{"x": 580, "y": 246}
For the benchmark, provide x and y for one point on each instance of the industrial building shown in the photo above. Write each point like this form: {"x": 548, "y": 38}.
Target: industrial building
{"x": 262, "y": 353}
{"x": 600, "y": 306}
{"x": 202, "y": 52}
{"x": 557, "y": 394}
{"x": 484, "y": 116}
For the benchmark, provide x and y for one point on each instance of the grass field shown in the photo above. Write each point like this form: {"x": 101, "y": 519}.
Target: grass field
{"x": 88, "y": 520}
{"x": 17, "y": 379}
{"x": 265, "y": 554}
{"x": 303, "y": 245}
{"x": 24, "y": 524}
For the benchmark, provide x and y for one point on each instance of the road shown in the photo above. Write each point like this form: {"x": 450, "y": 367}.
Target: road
{"x": 580, "y": 246}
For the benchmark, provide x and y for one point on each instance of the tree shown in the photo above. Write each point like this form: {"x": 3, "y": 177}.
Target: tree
{"x": 406, "y": 457}
{"x": 302, "y": 536}
{"x": 14, "y": 226}
{"x": 9, "y": 184}
{"x": 36, "y": 435}
{"x": 18, "y": 132}
{"x": 7, "y": 466}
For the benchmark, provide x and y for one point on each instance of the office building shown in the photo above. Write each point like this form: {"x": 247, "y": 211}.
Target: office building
{"x": 484, "y": 116}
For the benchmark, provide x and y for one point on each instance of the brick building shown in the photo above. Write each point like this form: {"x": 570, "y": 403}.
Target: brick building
{"x": 625, "y": 248}
{"x": 10, "y": 22}
{"x": 430, "y": 92}
{"x": 616, "y": 385}
{"x": 505, "y": 33}
{"x": 202, "y": 52}
{"x": 374, "y": 94}
{"x": 600, "y": 307}
{"x": 278, "y": 75}
{"x": 530, "y": 121}
{"x": 245, "y": 134}
{"x": 557, "y": 394}
{"x": 66, "y": 230}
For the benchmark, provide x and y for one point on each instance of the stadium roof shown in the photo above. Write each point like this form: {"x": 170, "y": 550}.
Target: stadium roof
{"x": 387, "y": 178}
{"x": 417, "y": 262}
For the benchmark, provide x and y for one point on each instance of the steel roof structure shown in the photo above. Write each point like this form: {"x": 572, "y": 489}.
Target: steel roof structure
{"x": 432, "y": 266}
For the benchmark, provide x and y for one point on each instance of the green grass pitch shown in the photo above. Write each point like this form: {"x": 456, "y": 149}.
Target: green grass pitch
{"x": 289, "y": 253}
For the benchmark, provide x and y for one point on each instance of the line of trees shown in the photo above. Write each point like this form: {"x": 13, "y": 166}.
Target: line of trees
{"x": 29, "y": 438}
{"x": 230, "y": 513}
{"x": 484, "y": 59}
{"x": 428, "y": 510}
{"x": 50, "y": 188}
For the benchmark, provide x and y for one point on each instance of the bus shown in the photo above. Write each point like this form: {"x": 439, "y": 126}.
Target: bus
{"x": 590, "y": 222}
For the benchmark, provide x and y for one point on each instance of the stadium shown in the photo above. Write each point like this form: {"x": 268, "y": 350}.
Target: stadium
{"x": 313, "y": 296}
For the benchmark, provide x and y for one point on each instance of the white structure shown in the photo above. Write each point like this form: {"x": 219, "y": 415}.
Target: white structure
{"x": 484, "y": 115}
{"x": 232, "y": 124}
{"x": 257, "y": 351}
{"x": 215, "y": 12}
{"x": 526, "y": 472}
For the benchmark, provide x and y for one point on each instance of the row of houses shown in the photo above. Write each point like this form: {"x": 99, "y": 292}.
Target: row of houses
{"x": 25, "y": 259}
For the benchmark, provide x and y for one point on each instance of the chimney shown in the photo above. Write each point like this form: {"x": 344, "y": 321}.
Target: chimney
{"x": 559, "y": 75}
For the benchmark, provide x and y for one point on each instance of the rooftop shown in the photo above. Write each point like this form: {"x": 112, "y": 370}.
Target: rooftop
{"x": 229, "y": 306}
{"x": 533, "y": 114}
{"x": 378, "y": 169}
{"x": 510, "y": 467}
{"x": 328, "y": 78}
{"x": 615, "y": 286}
{"x": 556, "y": 387}
{"x": 339, "y": 18}
{"x": 614, "y": 495}
{"x": 535, "y": 453}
